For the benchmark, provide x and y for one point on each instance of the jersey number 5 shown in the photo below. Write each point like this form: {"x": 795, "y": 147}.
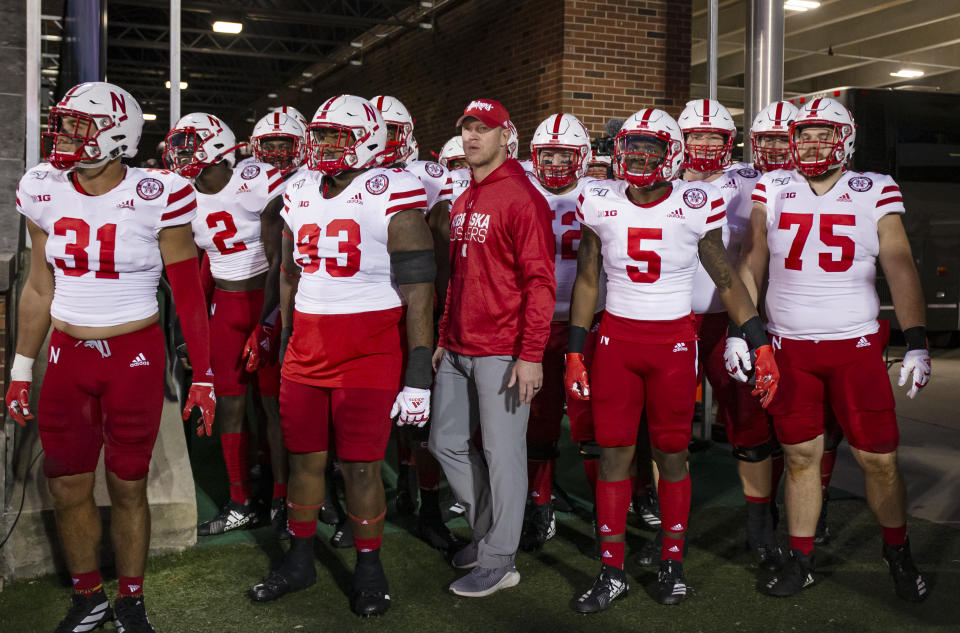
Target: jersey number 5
{"x": 106, "y": 235}
{"x": 634, "y": 237}
{"x": 828, "y": 221}
{"x": 308, "y": 238}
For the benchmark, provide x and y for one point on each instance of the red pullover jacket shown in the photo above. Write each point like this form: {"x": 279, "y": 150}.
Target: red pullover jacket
{"x": 502, "y": 288}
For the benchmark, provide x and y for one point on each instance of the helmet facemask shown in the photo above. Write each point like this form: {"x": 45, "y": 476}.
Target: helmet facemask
{"x": 815, "y": 151}
{"x": 331, "y": 148}
{"x": 768, "y": 155}
{"x": 556, "y": 166}
{"x": 399, "y": 146}
{"x": 707, "y": 157}
{"x": 186, "y": 151}
{"x": 283, "y": 151}
{"x": 640, "y": 158}
{"x": 71, "y": 128}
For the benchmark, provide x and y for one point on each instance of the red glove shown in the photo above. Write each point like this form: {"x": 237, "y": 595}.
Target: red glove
{"x": 18, "y": 401}
{"x": 260, "y": 348}
{"x": 575, "y": 378}
{"x": 201, "y": 395}
{"x": 767, "y": 375}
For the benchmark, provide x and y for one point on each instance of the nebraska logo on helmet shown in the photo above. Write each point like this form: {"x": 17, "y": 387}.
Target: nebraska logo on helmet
{"x": 378, "y": 184}
{"x": 250, "y": 172}
{"x": 695, "y": 198}
{"x": 149, "y": 188}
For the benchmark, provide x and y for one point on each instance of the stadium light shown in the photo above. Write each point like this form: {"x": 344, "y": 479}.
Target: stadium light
{"x": 183, "y": 84}
{"x": 800, "y": 5}
{"x": 907, "y": 73}
{"x": 149, "y": 117}
{"x": 227, "y": 27}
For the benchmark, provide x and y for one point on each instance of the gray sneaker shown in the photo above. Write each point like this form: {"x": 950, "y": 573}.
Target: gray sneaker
{"x": 465, "y": 557}
{"x": 483, "y": 581}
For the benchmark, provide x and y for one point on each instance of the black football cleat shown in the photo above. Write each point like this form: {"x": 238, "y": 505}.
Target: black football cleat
{"x": 297, "y": 572}
{"x": 795, "y": 575}
{"x": 233, "y": 516}
{"x": 343, "y": 535}
{"x": 540, "y": 527}
{"x": 907, "y": 579}
{"x": 673, "y": 587}
{"x": 610, "y": 584}
{"x": 130, "y": 616}
{"x": 370, "y": 593}
{"x": 647, "y": 507}
{"x": 649, "y": 553}
{"x": 86, "y": 613}
{"x": 278, "y": 517}
{"x": 769, "y": 556}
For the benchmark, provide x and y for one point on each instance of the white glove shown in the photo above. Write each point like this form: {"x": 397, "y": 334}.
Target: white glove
{"x": 918, "y": 362}
{"x": 412, "y": 406}
{"x": 736, "y": 359}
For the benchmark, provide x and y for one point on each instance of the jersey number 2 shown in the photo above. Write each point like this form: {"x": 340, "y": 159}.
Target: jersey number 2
{"x": 804, "y": 222}
{"x": 308, "y": 238}
{"x": 228, "y": 231}
{"x": 106, "y": 235}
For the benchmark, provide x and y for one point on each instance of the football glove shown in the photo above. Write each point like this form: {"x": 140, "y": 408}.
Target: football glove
{"x": 201, "y": 395}
{"x": 260, "y": 348}
{"x": 575, "y": 378}
{"x": 412, "y": 406}
{"x": 916, "y": 361}
{"x": 767, "y": 375}
{"x": 736, "y": 359}
{"x": 18, "y": 401}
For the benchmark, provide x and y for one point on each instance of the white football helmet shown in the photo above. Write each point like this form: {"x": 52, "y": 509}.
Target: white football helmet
{"x": 99, "y": 120}
{"x": 651, "y": 140}
{"x": 284, "y": 127}
{"x": 290, "y": 110}
{"x": 198, "y": 140}
{"x": 513, "y": 145}
{"x": 773, "y": 121}
{"x": 361, "y": 135}
{"x": 452, "y": 152}
{"x": 560, "y": 132}
{"x": 414, "y": 150}
{"x": 396, "y": 115}
{"x": 822, "y": 112}
{"x": 707, "y": 115}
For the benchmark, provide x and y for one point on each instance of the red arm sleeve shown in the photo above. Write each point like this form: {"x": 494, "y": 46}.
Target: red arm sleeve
{"x": 184, "y": 277}
{"x": 535, "y": 257}
{"x": 206, "y": 280}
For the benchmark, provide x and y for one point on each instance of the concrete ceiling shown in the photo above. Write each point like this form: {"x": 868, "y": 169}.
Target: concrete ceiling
{"x": 841, "y": 43}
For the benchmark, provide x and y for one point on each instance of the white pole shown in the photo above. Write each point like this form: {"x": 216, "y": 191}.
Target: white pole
{"x": 713, "y": 15}
{"x": 764, "y": 61}
{"x": 32, "y": 92}
{"x": 174, "y": 62}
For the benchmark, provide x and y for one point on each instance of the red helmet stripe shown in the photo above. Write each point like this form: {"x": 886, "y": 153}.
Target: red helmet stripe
{"x": 706, "y": 111}
{"x": 779, "y": 114}
{"x": 646, "y": 117}
{"x": 556, "y": 125}
{"x": 815, "y": 105}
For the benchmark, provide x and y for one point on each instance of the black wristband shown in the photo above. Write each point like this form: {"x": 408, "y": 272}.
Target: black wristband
{"x": 916, "y": 337}
{"x": 419, "y": 368}
{"x": 755, "y": 333}
{"x": 578, "y": 339}
{"x": 733, "y": 331}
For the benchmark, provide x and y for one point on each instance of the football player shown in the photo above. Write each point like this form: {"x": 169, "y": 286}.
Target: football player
{"x": 357, "y": 237}
{"x": 559, "y": 151}
{"x": 102, "y": 234}
{"x": 435, "y": 180}
{"x": 818, "y": 233}
{"x": 232, "y": 205}
{"x": 648, "y": 231}
{"x": 709, "y": 134}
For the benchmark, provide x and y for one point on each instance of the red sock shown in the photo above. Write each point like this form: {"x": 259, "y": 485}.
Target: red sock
{"x": 613, "y": 502}
{"x": 279, "y": 491}
{"x": 756, "y": 499}
{"x": 235, "y": 448}
{"x": 591, "y": 468}
{"x": 674, "y": 513}
{"x": 367, "y": 544}
{"x": 131, "y": 586}
{"x": 895, "y": 535}
{"x": 87, "y": 583}
{"x": 826, "y": 467}
{"x": 539, "y": 481}
{"x": 302, "y": 529}
{"x": 776, "y": 474}
{"x": 428, "y": 473}
{"x": 802, "y": 543}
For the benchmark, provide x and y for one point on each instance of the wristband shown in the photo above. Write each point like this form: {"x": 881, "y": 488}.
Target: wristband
{"x": 22, "y": 369}
{"x": 419, "y": 368}
{"x": 916, "y": 337}
{"x": 733, "y": 331}
{"x": 755, "y": 333}
{"x": 578, "y": 339}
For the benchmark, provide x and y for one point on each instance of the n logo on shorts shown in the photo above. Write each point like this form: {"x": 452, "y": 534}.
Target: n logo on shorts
{"x": 54, "y": 355}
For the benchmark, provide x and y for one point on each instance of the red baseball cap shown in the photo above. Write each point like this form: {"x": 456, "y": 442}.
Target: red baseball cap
{"x": 490, "y": 112}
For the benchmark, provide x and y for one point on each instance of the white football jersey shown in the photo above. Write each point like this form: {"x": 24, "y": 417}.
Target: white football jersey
{"x": 227, "y": 225}
{"x": 823, "y": 252}
{"x": 105, "y": 249}
{"x": 650, "y": 252}
{"x": 340, "y": 243}
{"x": 434, "y": 178}
{"x": 457, "y": 182}
{"x": 736, "y": 184}
{"x": 566, "y": 231}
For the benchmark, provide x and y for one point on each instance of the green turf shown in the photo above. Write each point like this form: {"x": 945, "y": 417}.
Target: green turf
{"x": 202, "y": 589}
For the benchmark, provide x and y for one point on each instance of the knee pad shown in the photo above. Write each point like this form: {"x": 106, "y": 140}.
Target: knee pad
{"x": 755, "y": 454}
{"x": 589, "y": 450}
{"x": 544, "y": 452}
{"x": 670, "y": 442}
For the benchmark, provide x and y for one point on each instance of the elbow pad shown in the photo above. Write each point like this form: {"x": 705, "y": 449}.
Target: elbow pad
{"x": 413, "y": 267}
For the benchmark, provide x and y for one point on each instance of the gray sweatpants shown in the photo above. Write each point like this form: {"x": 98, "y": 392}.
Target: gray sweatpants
{"x": 471, "y": 391}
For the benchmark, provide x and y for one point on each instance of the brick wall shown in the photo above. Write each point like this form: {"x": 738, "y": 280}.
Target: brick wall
{"x": 595, "y": 59}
